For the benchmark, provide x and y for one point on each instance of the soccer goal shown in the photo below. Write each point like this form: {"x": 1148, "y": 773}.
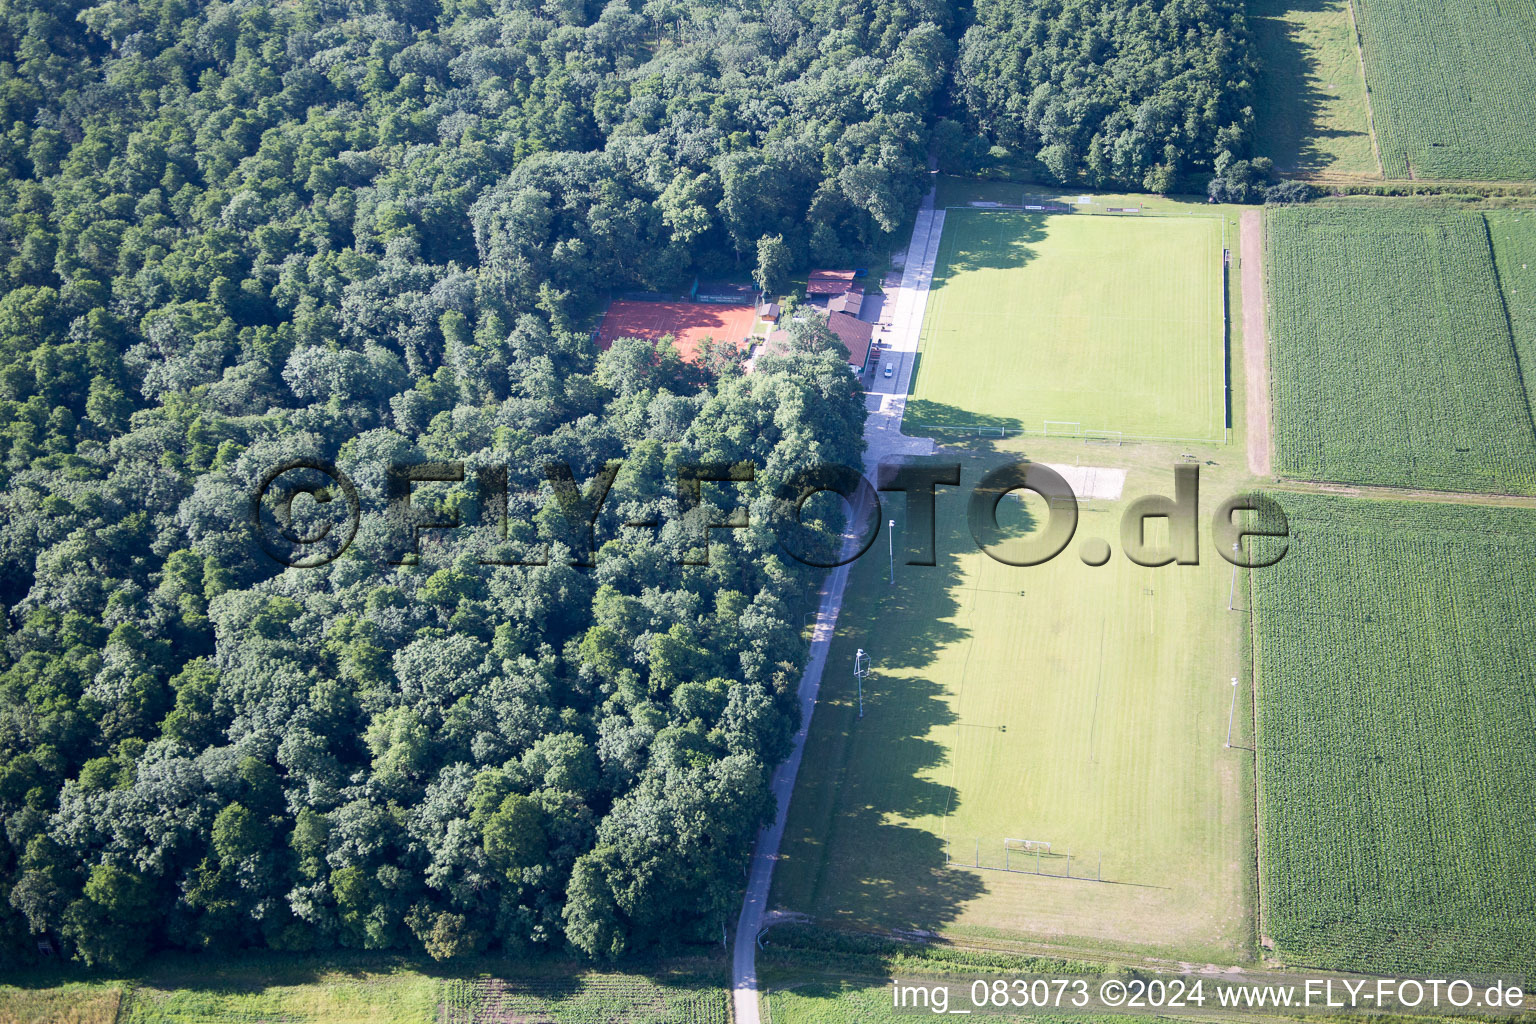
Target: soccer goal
{"x": 1105, "y": 437}
{"x": 992, "y": 431}
{"x": 1069, "y": 428}
{"x": 1038, "y": 847}
{"x": 1027, "y": 845}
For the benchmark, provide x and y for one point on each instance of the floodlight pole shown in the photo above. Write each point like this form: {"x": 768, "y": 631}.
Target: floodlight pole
{"x": 890, "y": 537}
{"x": 1232, "y": 590}
{"x": 1232, "y": 712}
{"x": 860, "y": 670}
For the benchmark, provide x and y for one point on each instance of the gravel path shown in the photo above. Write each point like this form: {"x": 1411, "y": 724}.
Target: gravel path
{"x": 1255, "y": 342}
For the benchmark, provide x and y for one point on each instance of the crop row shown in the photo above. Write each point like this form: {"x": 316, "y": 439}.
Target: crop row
{"x": 1391, "y": 351}
{"x": 1397, "y": 702}
{"x": 587, "y": 999}
{"x": 1451, "y": 86}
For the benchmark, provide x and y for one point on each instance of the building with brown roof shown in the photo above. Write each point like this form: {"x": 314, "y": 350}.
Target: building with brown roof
{"x": 850, "y": 302}
{"x": 829, "y": 282}
{"x": 856, "y": 336}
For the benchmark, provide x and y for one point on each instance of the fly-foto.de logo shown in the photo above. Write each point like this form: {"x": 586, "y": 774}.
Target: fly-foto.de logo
{"x": 306, "y": 513}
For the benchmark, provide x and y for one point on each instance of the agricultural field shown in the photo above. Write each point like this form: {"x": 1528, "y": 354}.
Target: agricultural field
{"x": 1513, "y": 233}
{"x": 1391, "y": 356}
{"x": 1397, "y": 700}
{"x": 1451, "y": 86}
{"x": 1084, "y": 707}
{"x": 1074, "y": 324}
{"x": 1312, "y": 116}
{"x": 586, "y": 999}
{"x": 372, "y": 998}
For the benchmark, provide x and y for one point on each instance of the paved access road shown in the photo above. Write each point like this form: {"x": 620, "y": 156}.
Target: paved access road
{"x": 882, "y": 433}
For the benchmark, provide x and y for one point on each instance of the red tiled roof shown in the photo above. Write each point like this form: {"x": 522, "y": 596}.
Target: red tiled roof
{"x": 829, "y": 282}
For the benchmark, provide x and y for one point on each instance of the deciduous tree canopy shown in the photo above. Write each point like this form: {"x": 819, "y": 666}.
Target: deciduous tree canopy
{"x": 236, "y": 234}
{"x": 1130, "y": 93}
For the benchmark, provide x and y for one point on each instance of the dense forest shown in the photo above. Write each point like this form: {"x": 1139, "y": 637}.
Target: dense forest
{"x": 234, "y": 235}
{"x": 1138, "y": 94}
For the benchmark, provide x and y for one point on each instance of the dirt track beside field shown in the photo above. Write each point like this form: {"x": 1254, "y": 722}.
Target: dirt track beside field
{"x": 1255, "y": 342}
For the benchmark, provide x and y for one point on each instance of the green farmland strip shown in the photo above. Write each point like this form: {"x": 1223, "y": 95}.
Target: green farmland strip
{"x": 1514, "y": 252}
{"x": 1451, "y": 84}
{"x": 1397, "y": 701}
{"x": 1392, "y": 358}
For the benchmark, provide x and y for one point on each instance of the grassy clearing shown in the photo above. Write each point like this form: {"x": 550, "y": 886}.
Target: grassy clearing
{"x": 1082, "y": 706}
{"x": 368, "y": 998}
{"x": 364, "y": 990}
{"x": 1312, "y": 115}
{"x": 1451, "y": 85}
{"x": 73, "y": 1003}
{"x": 833, "y": 1002}
{"x": 1397, "y": 703}
{"x": 1391, "y": 353}
{"x": 1093, "y": 323}
{"x": 813, "y": 975}
{"x": 862, "y": 1001}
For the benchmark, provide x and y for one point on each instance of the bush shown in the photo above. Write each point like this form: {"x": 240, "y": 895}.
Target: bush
{"x": 1290, "y": 192}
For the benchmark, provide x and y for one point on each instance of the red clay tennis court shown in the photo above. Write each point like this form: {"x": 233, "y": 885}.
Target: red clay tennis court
{"x": 689, "y": 323}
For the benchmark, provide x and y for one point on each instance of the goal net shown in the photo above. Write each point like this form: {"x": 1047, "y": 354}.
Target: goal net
{"x": 1067, "y": 427}
{"x": 1027, "y": 845}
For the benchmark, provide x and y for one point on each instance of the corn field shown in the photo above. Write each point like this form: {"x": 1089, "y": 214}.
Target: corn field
{"x": 1397, "y": 701}
{"x": 1391, "y": 353}
{"x": 581, "y": 999}
{"x": 1451, "y": 86}
{"x": 1513, "y": 233}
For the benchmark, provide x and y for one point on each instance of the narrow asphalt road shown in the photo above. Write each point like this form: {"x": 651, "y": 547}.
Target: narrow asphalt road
{"x": 882, "y": 433}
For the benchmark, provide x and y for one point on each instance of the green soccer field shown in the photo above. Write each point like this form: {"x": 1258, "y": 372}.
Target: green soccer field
{"x": 1074, "y": 324}
{"x": 1083, "y": 707}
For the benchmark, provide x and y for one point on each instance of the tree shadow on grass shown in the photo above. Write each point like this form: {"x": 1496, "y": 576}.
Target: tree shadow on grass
{"x": 950, "y": 423}
{"x": 1285, "y": 84}
{"x": 851, "y": 855}
{"x": 200, "y": 983}
{"x": 978, "y": 240}
{"x": 989, "y": 240}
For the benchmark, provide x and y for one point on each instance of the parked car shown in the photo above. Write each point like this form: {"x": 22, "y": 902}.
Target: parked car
{"x": 890, "y": 368}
